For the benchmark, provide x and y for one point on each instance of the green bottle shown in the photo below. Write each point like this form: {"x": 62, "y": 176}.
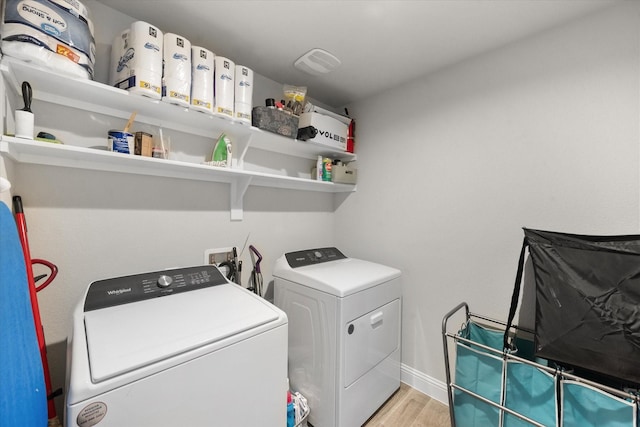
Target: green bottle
{"x": 221, "y": 152}
{"x": 326, "y": 169}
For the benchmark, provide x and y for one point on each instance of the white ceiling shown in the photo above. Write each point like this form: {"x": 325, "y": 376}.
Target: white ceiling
{"x": 381, "y": 43}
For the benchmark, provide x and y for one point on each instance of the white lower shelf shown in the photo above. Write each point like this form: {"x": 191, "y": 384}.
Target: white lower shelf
{"x": 37, "y": 152}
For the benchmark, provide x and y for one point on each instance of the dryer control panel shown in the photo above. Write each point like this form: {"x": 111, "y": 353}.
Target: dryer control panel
{"x": 139, "y": 287}
{"x": 313, "y": 256}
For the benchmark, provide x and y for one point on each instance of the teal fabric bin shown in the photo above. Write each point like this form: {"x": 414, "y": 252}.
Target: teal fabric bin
{"x": 480, "y": 373}
{"x": 522, "y": 388}
{"x": 587, "y": 406}
{"x": 547, "y": 398}
{"x": 532, "y": 393}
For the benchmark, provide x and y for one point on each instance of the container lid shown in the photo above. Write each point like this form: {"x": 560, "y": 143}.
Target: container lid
{"x": 126, "y": 337}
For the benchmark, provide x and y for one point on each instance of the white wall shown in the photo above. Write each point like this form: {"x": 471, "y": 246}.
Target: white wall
{"x": 96, "y": 225}
{"x": 542, "y": 133}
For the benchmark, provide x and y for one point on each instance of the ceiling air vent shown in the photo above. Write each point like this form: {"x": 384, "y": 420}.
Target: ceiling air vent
{"x": 316, "y": 62}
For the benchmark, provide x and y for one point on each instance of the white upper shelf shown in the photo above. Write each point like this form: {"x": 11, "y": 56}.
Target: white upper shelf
{"x": 99, "y": 98}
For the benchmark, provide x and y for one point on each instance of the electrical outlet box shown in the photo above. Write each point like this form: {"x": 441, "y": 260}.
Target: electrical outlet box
{"x": 216, "y": 256}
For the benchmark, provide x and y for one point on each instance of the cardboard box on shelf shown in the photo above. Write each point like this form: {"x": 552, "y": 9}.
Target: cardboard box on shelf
{"x": 332, "y": 127}
{"x": 143, "y": 144}
{"x": 344, "y": 174}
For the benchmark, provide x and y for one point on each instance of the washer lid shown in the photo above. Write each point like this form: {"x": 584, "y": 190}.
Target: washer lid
{"x": 126, "y": 337}
{"x": 341, "y": 277}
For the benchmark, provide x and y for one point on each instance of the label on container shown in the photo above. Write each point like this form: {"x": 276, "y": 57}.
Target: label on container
{"x": 243, "y": 116}
{"x": 225, "y": 111}
{"x": 52, "y": 20}
{"x": 91, "y": 414}
{"x": 201, "y": 103}
{"x": 120, "y": 142}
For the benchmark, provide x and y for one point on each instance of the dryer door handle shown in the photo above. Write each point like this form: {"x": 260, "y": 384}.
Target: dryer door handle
{"x": 376, "y": 319}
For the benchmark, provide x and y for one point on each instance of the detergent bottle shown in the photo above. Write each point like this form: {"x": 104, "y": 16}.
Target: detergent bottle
{"x": 291, "y": 416}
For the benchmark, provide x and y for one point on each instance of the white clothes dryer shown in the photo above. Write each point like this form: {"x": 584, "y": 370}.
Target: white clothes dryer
{"x": 181, "y": 347}
{"x": 344, "y": 333}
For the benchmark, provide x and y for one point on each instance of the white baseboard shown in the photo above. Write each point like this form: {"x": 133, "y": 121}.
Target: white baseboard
{"x": 422, "y": 382}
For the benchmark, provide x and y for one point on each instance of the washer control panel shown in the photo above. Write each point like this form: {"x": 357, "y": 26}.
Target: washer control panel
{"x": 140, "y": 287}
{"x": 313, "y": 256}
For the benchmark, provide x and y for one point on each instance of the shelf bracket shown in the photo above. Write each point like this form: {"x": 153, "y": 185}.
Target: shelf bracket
{"x": 238, "y": 188}
{"x": 243, "y": 147}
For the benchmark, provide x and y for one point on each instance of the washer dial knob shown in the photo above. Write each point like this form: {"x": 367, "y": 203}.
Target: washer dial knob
{"x": 164, "y": 281}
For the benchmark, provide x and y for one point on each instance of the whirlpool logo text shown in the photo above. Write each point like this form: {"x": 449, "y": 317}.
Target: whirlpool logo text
{"x": 119, "y": 291}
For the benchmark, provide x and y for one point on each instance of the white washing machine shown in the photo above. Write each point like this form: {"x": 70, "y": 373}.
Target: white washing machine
{"x": 181, "y": 347}
{"x": 344, "y": 333}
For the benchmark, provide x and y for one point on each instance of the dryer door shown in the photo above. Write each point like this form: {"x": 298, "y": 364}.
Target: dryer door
{"x": 370, "y": 339}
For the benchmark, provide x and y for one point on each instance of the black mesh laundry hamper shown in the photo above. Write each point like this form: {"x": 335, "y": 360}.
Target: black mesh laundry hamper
{"x": 587, "y": 301}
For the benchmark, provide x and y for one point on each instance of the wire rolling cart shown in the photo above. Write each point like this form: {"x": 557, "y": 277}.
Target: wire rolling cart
{"x": 512, "y": 388}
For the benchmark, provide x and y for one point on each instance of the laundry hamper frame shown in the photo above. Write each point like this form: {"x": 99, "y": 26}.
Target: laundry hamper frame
{"x": 506, "y": 356}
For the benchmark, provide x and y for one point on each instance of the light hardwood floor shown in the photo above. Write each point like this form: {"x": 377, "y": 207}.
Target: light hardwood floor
{"x": 410, "y": 408}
